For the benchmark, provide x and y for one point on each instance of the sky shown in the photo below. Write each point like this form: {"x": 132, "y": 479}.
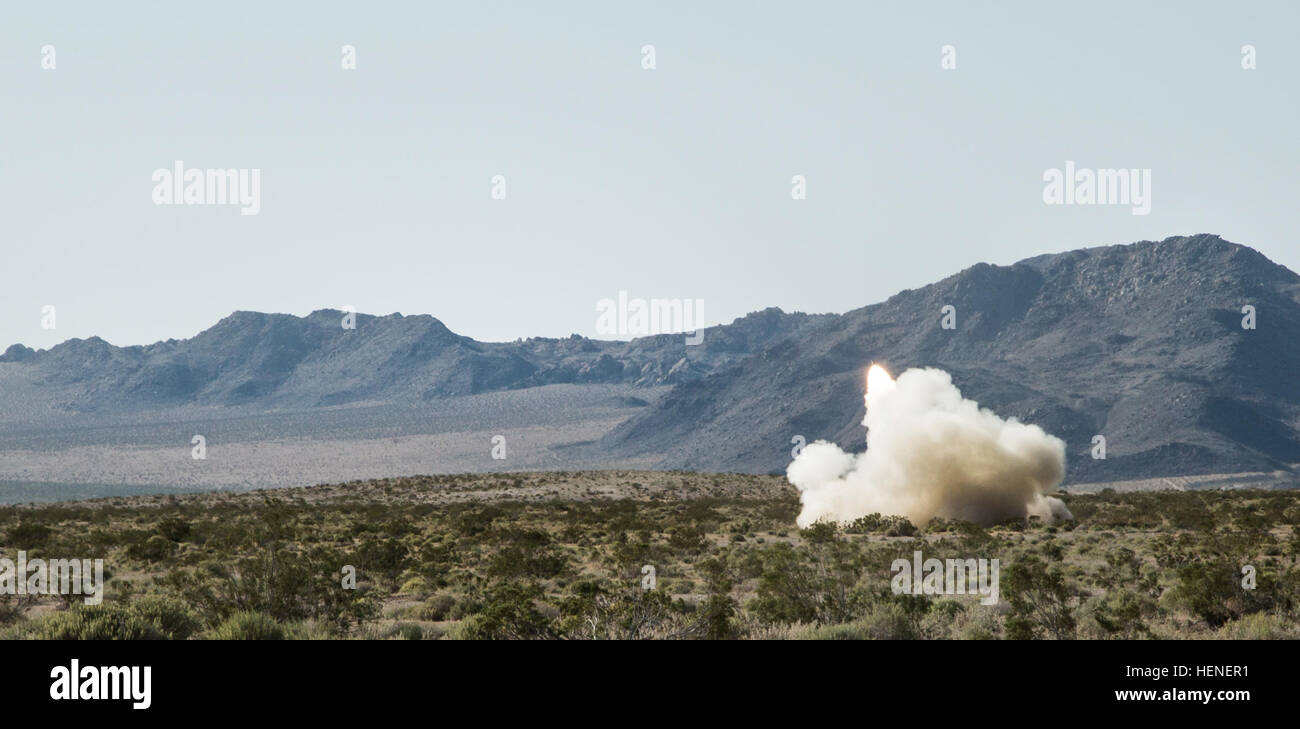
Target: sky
{"x": 376, "y": 183}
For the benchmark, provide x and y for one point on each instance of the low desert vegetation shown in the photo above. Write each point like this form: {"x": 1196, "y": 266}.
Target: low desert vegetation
{"x": 622, "y": 558}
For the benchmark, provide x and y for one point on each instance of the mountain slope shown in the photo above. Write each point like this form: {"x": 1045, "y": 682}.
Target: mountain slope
{"x": 1141, "y": 344}
{"x": 284, "y": 361}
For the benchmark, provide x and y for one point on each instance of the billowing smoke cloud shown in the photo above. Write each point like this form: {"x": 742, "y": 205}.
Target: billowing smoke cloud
{"x": 931, "y": 452}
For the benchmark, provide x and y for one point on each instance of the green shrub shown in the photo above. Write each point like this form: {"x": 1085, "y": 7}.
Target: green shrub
{"x": 1042, "y": 600}
{"x": 437, "y": 608}
{"x": 1211, "y": 592}
{"x": 94, "y": 622}
{"x": 29, "y": 536}
{"x": 283, "y": 584}
{"x": 820, "y": 532}
{"x": 842, "y": 631}
{"x": 405, "y": 631}
{"x": 309, "y": 630}
{"x": 153, "y": 549}
{"x": 174, "y": 529}
{"x": 248, "y": 626}
{"x": 169, "y": 616}
{"x": 510, "y": 613}
{"x": 1260, "y": 626}
{"x": 884, "y": 621}
{"x": 413, "y": 586}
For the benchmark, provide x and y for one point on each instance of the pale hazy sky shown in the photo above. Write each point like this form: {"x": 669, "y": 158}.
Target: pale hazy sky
{"x": 666, "y": 183}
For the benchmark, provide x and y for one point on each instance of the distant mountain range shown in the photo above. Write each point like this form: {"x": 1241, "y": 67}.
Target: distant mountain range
{"x": 1142, "y": 344}
{"x": 284, "y": 361}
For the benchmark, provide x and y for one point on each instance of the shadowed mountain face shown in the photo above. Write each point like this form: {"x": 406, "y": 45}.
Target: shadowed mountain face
{"x": 1142, "y": 344}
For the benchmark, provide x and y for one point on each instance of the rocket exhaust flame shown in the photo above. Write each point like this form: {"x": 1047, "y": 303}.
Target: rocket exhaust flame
{"x": 878, "y": 380}
{"x": 931, "y": 452}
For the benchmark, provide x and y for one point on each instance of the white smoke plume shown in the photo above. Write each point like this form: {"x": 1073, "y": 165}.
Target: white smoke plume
{"x": 931, "y": 452}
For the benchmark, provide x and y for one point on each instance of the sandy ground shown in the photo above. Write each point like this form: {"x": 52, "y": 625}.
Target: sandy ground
{"x": 545, "y": 428}
{"x": 563, "y": 486}
{"x": 1248, "y": 480}
{"x": 304, "y": 461}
